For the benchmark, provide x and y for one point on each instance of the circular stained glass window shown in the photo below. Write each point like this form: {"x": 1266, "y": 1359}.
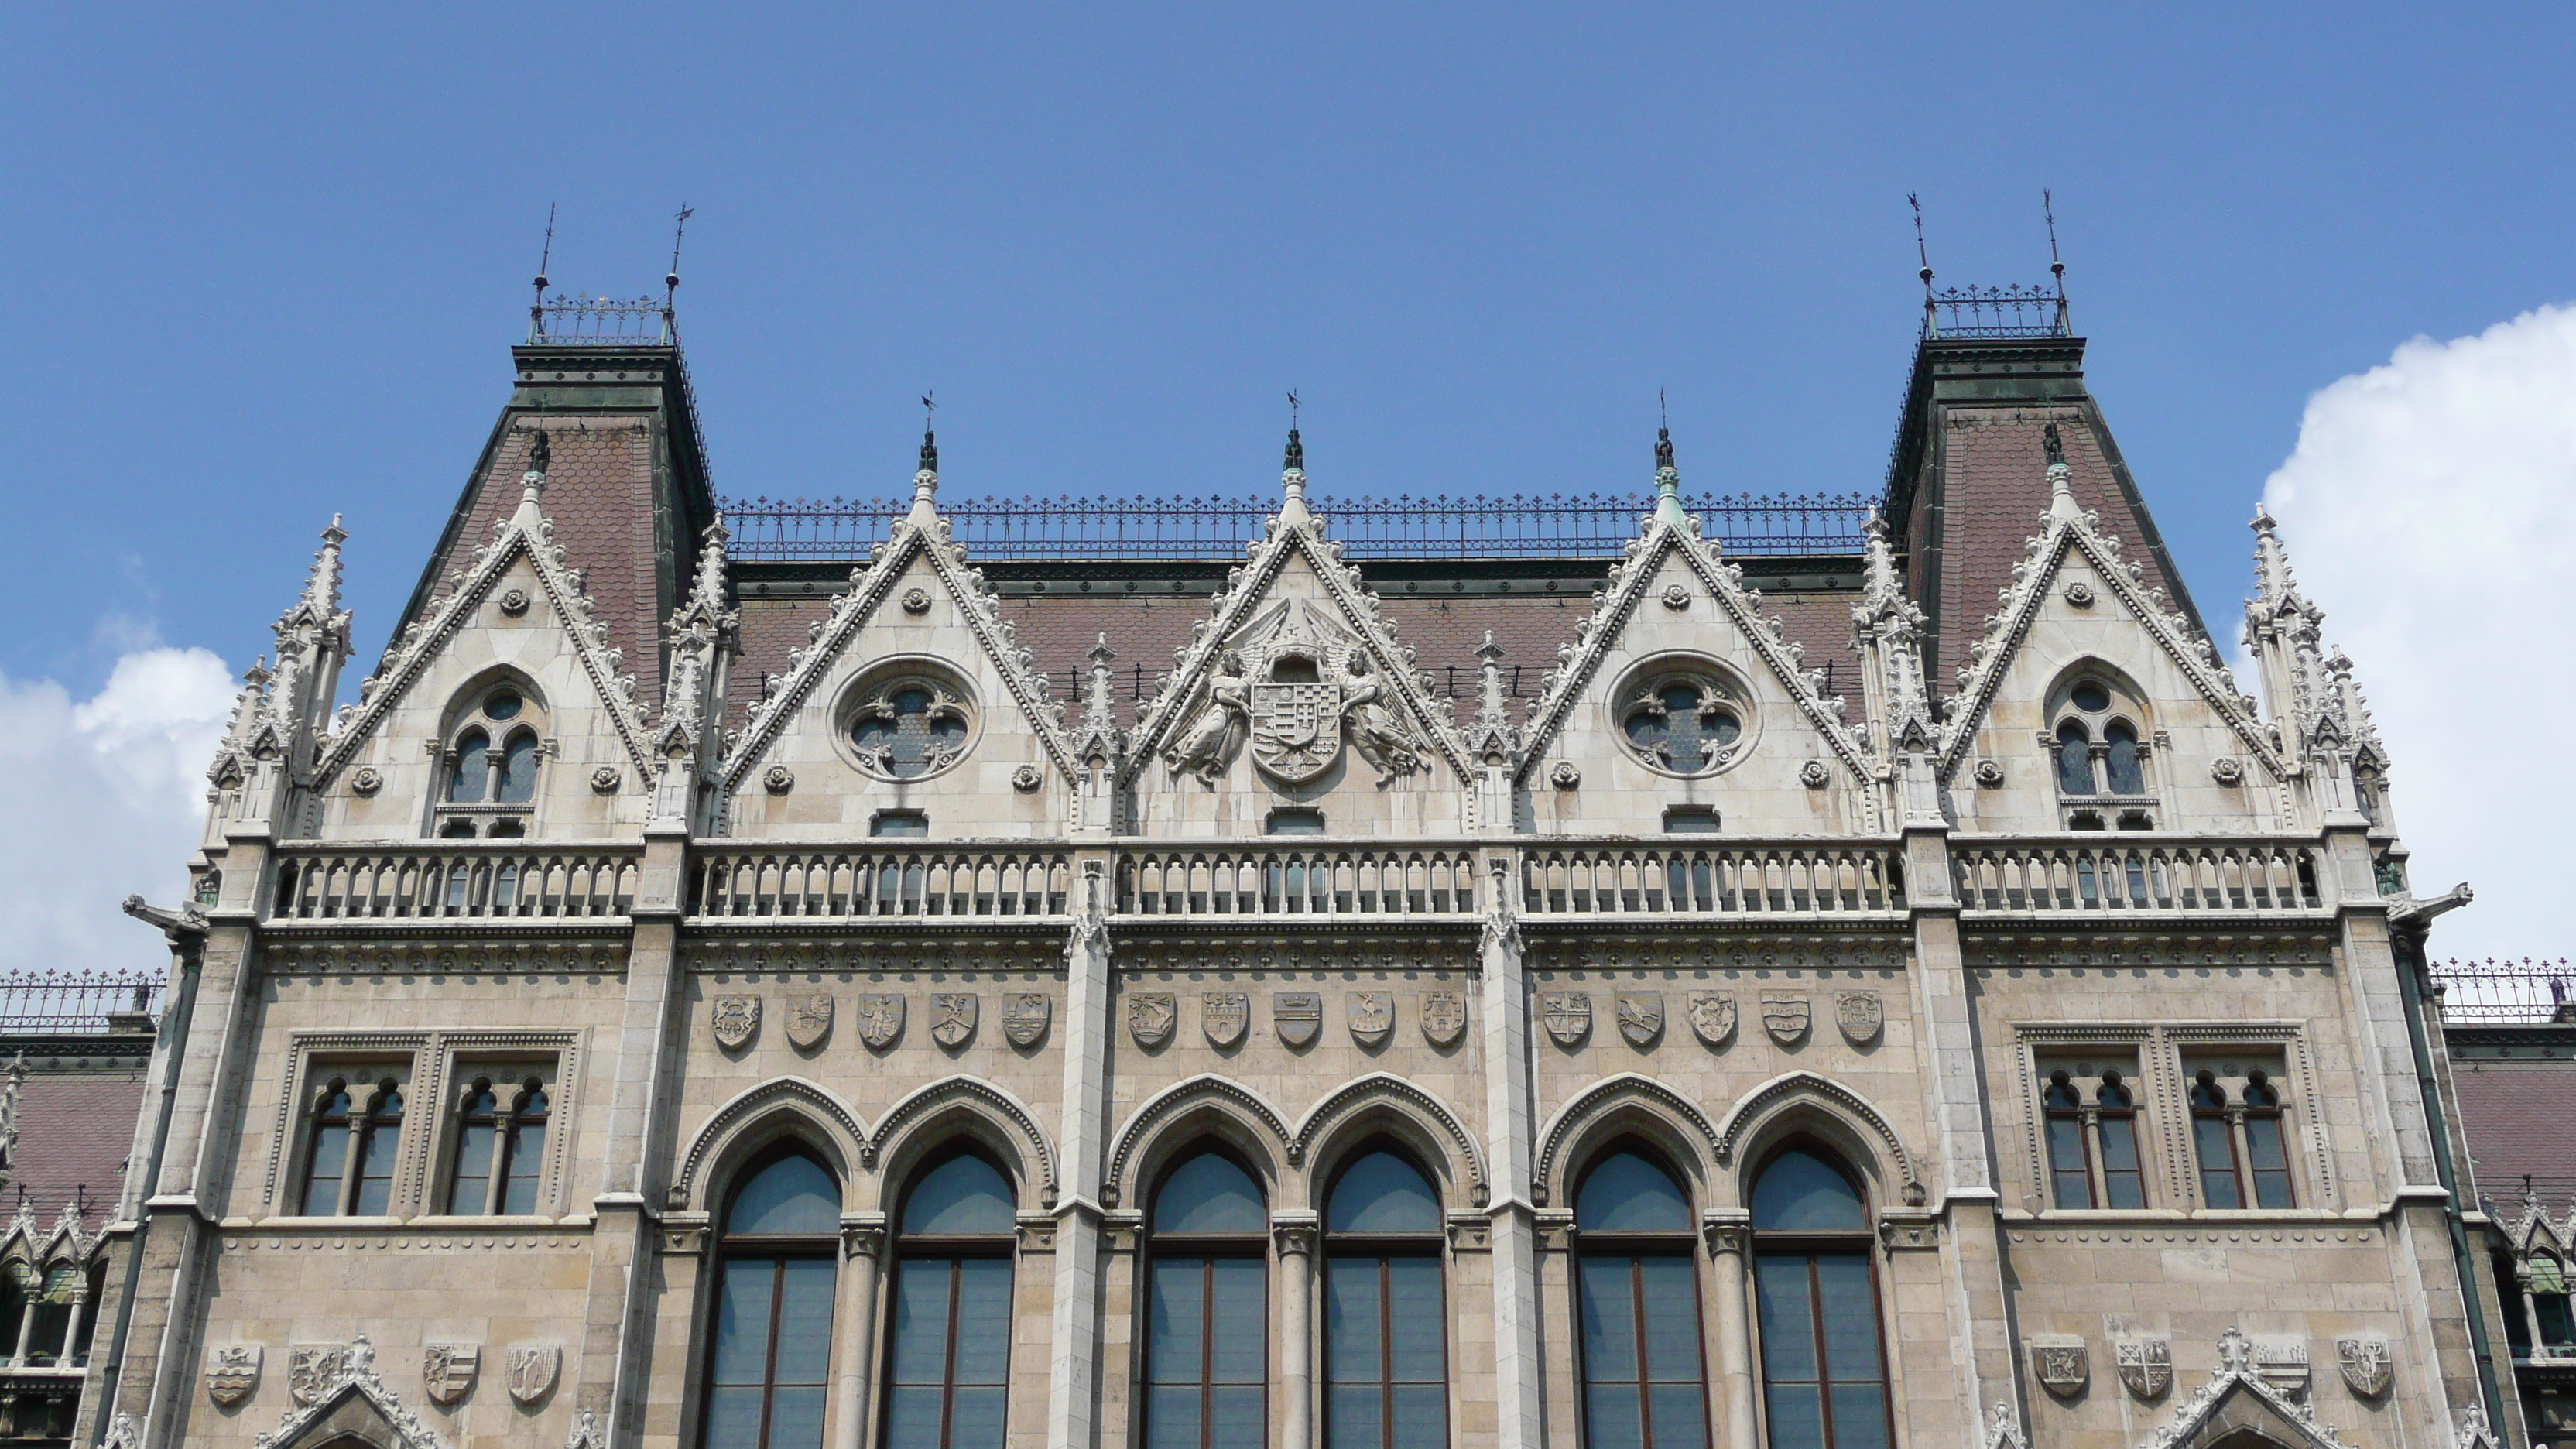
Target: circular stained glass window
{"x": 1687, "y": 726}
{"x": 907, "y": 728}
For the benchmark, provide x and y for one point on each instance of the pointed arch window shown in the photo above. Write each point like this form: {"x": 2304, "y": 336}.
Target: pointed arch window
{"x": 1824, "y": 1360}
{"x": 1386, "y": 1355}
{"x": 768, "y": 1362}
{"x": 2092, "y": 1143}
{"x": 949, "y": 1352}
{"x": 491, "y": 767}
{"x": 351, "y": 1148}
{"x": 500, "y": 1147}
{"x": 1645, "y": 1377}
{"x": 1207, "y": 1338}
{"x": 2099, "y": 757}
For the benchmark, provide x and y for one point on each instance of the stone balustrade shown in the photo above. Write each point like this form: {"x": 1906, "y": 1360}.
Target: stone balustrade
{"x": 454, "y": 880}
{"x": 2131, "y": 874}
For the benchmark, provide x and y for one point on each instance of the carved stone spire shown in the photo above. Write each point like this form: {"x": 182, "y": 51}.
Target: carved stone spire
{"x": 2276, "y": 589}
{"x": 1668, "y": 482}
{"x": 700, "y": 634}
{"x": 1098, "y": 736}
{"x": 1492, "y": 737}
{"x": 322, "y": 585}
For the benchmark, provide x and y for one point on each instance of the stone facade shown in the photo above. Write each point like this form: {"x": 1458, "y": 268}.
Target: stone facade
{"x": 714, "y": 858}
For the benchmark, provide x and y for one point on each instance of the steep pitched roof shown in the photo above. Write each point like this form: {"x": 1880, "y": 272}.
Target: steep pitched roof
{"x": 526, "y": 533}
{"x": 1292, "y": 533}
{"x": 2069, "y": 528}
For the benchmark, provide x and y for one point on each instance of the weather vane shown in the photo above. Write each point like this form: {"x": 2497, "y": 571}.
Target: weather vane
{"x": 537, "y": 308}
{"x": 928, "y": 408}
{"x": 1292, "y": 409}
{"x": 679, "y": 229}
{"x": 2056, "y": 268}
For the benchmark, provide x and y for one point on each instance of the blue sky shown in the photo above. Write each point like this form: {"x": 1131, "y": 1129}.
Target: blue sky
{"x": 264, "y": 265}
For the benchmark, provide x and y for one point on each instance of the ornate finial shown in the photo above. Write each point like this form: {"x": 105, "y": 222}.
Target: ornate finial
{"x": 1296, "y": 458}
{"x": 322, "y": 585}
{"x": 537, "y": 308}
{"x": 1931, "y": 325}
{"x": 925, "y": 476}
{"x": 1668, "y": 481}
{"x": 679, "y": 230}
{"x": 540, "y": 458}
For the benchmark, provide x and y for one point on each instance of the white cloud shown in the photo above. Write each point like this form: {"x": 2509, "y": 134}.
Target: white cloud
{"x": 2430, "y": 510}
{"x": 99, "y": 799}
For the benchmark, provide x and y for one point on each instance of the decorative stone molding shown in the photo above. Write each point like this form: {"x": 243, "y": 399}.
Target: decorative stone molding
{"x": 1294, "y": 1234}
{"x": 916, "y": 601}
{"x": 1177, "y": 1098}
{"x": 810, "y": 1100}
{"x": 1564, "y": 776}
{"x": 1807, "y": 1084}
{"x": 366, "y": 780}
{"x": 978, "y": 1095}
{"x": 2079, "y": 593}
{"x": 335, "y": 1378}
{"x": 1676, "y": 598}
{"x": 864, "y": 1238}
{"x": 778, "y": 779}
{"x": 1814, "y": 775}
{"x": 514, "y": 602}
{"x": 1383, "y": 1086}
{"x": 1990, "y": 774}
{"x": 1589, "y": 1103}
{"x": 2227, "y": 770}
{"x": 1027, "y": 778}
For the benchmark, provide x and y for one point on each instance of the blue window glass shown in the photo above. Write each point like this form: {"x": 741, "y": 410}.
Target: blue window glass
{"x": 951, "y": 1310}
{"x": 1637, "y": 1307}
{"x": 770, "y": 1358}
{"x": 1386, "y": 1351}
{"x": 2074, "y": 760}
{"x": 1207, "y": 1344}
{"x": 2121, "y": 761}
{"x": 1824, "y": 1372}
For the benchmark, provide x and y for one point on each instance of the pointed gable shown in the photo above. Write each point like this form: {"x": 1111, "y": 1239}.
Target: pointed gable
{"x": 518, "y": 612}
{"x": 1295, "y": 689}
{"x": 918, "y": 611}
{"x": 1675, "y": 606}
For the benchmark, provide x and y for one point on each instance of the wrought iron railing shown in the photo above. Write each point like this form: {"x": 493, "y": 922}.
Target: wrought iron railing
{"x": 2506, "y": 991}
{"x": 2034, "y": 311}
{"x": 76, "y": 1000}
{"x": 1557, "y": 526}
{"x": 628, "y": 321}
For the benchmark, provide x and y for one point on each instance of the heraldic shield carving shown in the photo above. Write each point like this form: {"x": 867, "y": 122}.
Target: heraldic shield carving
{"x": 2145, "y": 1365}
{"x": 1785, "y": 1017}
{"x": 736, "y": 1020}
{"x": 1297, "y": 685}
{"x": 1225, "y": 1016}
{"x": 1860, "y": 1015}
{"x": 1713, "y": 1018}
{"x": 1025, "y": 1017}
{"x": 1566, "y": 1014}
{"x": 232, "y": 1372}
{"x": 1444, "y": 1017}
{"x": 1641, "y": 1016}
{"x": 448, "y": 1370}
{"x": 1150, "y": 1016}
{"x": 2063, "y": 1365}
{"x": 880, "y": 1015}
{"x": 2367, "y": 1363}
{"x": 809, "y": 1020}
{"x": 533, "y": 1367}
{"x": 952, "y": 1017}
{"x": 313, "y": 1367}
{"x": 1298, "y": 1016}
{"x": 1371, "y": 1015}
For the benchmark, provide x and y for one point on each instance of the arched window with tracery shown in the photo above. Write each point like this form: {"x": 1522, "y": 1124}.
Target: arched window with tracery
{"x": 490, "y": 786}
{"x": 2100, "y": 758}
{"x": 500, "y": 1146}
{"x": 2092, "y": 1143}
{"x": 768, "y": 1360}
{"x": 351, "y": 1147}
{"x": 1645, "y": 1377}
{"x": 949, "y": 1349}
{"x": 1386, "y": 1349}
{"x": 1207, "y": 1335}
{"x": 1824, "y": 1361}
{"x": 2241, "y": 1138}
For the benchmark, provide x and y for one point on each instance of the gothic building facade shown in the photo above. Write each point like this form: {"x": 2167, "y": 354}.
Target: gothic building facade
{"x": 1685, "y": 988}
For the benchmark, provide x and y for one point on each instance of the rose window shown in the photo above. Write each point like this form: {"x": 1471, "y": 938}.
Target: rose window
{"x": 1687, "y": 726}
{"x": 907, "y": 728}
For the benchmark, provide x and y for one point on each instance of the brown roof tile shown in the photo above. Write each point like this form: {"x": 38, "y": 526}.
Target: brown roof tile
{"x": 2518, "y": 1118}
{"x": 74, "y": 1132}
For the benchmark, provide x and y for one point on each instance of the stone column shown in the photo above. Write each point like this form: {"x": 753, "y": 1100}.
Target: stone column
{"x": 1520, "y": 1412}
{"x": 1294, "y": 1233}
{"x": 1729, "y": 1237}
{"x": 1073, "y": 1404}
{"x": 863, "y": 1238}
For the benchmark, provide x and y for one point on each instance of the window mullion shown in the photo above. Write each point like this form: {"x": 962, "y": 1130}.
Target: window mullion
{"x": 769, "y": 1361}
{"x": 353, "y": 1163}
{"x": 2241, "y": 1151}
{"x": 1207, "y": 1353}
{"x": 2096, "y": 1182}
{"x": 492, "y": 1184}
{"x": 1637, "y": 1316}
{"x": 948, "y": 1360}
{"x": 1824, "y": 1374}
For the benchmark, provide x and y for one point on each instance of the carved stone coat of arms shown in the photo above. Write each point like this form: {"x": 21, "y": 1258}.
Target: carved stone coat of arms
{"x": 1444, "y": 1017}
{"x": 809, "y": 1020}
{"x": 1298, "y": 1016}
{"x": 1713, "y": 1018}
{"x": 1150, "y": 1016}
{"x": 1371, "y": 1015}
{"x": 1296, "y": 728}
{"x": 2367, "y": 1363}
{"x": 2145, "y": 1365}
{"x": 1025, "y": 1017}
{"x": 313, "y": 1368}
{"x": 448, "y": 1370}
{"x": 1860, "y": 1016}
{"x": 232, "y": 1372}
{"x": 880, "y": 1017}
{"x": 533, "y": 1367}
{"x": 2063, "y": 1365}
{"x": 1566, "y": 1014}
{"x": 952, "y": 1017}
{"x": 736, "y": 1020}
{"x": 1785, "y": 1017}
{"x": 1224, "y": 1016}
{"x": 1641, "y": 1016}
